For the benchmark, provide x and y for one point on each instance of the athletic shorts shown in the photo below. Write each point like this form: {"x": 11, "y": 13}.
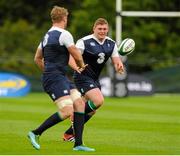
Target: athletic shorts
{"x": 56, "y": 85}
{"x": 85, "y": 83}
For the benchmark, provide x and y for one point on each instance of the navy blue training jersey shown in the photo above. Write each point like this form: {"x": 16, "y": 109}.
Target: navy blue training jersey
{"x": 95, "y": 54}
{"x": 55, "y": 53}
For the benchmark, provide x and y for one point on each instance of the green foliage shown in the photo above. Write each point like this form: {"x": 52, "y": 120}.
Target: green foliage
{"x": 154, "y": 37}
{"x": 18, "y": 44}
{"x": 156, "y": 42}
{"x": 23, "y": 24}
{"x": 83, "y": 19}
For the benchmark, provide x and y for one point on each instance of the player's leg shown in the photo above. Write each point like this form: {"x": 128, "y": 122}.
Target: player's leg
{"x": 73, "y": 91}
{"x": 65, "y": 107}
{"x": 69, "y": 133}
{"x": 90, "y": 108}
{"x": 87, "y": 86}
{"x": 78, "y": 122}
{"x": 60, "y": 94}
{"x": 95, "y": 98}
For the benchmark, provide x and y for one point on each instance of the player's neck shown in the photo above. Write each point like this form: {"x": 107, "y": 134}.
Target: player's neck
{"x": 60, "y": 25}
{"x": 100, "y": 40}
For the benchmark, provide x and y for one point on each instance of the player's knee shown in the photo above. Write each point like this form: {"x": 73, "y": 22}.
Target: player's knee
{"x": 79, "y": 104}
{"x": 98, "y": 101}
{"x": 62, "y": 103}
{"x": 66, "y": 111}
{"x": 65, "y": 107}
{"x": 75, "y": 95}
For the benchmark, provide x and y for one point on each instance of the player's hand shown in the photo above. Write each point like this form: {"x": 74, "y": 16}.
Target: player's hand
{"x": 119, "y": 68}
{"x": 80, "y": 69}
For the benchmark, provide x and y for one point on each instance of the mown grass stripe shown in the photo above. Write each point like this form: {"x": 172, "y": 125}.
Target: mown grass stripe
{"x": 134, "y": 125}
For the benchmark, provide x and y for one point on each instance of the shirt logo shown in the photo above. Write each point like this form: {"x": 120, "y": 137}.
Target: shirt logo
{"x": 53, "y": 96}
{"x": 65, "y": 91}
{"x": 92, "y": 44}
{"x": 91, "y": 85}
{"x": 82, "y": 90}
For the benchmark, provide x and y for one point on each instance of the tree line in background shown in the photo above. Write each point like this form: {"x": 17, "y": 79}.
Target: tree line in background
{"x": 23, "y": 23}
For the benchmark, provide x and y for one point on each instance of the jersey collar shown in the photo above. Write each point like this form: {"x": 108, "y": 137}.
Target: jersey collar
{"x": 55, "y": 28}
{"x": 101, "y": 43}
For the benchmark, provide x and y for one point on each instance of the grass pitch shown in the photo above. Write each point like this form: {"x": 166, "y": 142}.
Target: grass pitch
{"x": 133, "y": 125}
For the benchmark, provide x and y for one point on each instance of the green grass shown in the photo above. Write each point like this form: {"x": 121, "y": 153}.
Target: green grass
{"x": 134, "y": 125}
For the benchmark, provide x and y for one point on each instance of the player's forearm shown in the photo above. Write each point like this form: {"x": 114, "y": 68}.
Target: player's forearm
{"x": 80, "y": 63}
{"x": 76, "y": 54}
{"x": 72, "y": 63}
{"x": 38, "y": 59}
{"x": 79, "y": 60}
{"x": 40, "y": 63}
{"x": 118, "y": 65}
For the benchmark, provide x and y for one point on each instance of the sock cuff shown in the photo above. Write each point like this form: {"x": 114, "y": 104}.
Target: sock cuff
{"x": 59, "y": 115}
{"x": 92, "y": 105}
{"x": 79, "y": 113}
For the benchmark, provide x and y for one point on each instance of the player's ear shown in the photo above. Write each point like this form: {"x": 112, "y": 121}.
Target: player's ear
{"x": 107, "y": 29}
{"x": 94, "y": 27}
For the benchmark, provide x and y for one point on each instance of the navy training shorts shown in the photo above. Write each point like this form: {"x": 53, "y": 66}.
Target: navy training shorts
{"x": 57, "y": 85}
{"x": 85, "y": 83}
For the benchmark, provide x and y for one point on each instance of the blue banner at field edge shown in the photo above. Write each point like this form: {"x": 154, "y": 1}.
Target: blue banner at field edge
{"x": 13, "y": 84}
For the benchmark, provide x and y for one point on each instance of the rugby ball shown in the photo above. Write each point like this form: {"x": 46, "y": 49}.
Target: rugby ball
{"x": 126, "y": 47}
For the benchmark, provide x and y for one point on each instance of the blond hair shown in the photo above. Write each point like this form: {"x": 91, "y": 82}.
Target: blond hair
{"x": 100, "y": 21}
{"x": 58, "y": 13}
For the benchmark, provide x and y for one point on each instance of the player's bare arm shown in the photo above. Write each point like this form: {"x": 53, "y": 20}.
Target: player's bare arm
{"x": 73, "y": 65}
{"x": 38, "y": 59}
{"x": 75, "y": 53}
{"x": 118, "y": 65}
